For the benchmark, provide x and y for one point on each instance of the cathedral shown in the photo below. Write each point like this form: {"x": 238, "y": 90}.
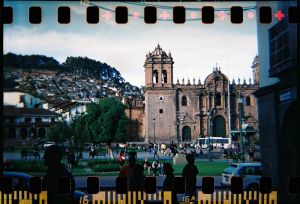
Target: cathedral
{"x": 185, "y": 111}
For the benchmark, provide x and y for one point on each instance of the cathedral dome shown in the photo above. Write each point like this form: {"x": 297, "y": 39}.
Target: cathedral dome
{"x": 216, "y": 74}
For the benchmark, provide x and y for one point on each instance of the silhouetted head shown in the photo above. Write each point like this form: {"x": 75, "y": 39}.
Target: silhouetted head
{"x": 190, "y": 158}
{"x": 132, "y": 158}
{"x": 168, "y": 169}
{"x": 53, "y": 156}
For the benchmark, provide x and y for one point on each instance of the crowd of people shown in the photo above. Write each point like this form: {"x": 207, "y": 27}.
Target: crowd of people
{"x": 134, "y": 172}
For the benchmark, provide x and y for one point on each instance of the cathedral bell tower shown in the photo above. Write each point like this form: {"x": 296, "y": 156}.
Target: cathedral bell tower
{"x": 158, "y": 69}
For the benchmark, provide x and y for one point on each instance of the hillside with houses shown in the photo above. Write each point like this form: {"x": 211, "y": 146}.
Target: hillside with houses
{"x": 78, "y": 79}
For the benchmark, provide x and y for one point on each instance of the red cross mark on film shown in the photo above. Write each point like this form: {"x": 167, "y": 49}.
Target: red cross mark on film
{"x": 222, "y": 15}
{"x": 164, "y": 15}
{"x": 279, "y": 15}
{"x": 107, "y": 15}
{"x": 136, "y": 15}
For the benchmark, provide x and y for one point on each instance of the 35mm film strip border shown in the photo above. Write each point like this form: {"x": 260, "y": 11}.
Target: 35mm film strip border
{"x": 150, "y": 187}
{"x": 207, "y": 15}
{"x": 134, "y": 197}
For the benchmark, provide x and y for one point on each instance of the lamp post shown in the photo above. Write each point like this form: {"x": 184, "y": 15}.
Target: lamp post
{"x": 154, "y": 130}
{"x": 240, "y": 101}
{"x": 170, "y": 133}
{"x": 208, "y": 133}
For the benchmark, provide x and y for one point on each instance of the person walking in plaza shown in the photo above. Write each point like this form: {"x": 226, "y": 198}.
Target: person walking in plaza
{"x": 70, "y": 160}
{"x": 155, "y": 151}
{"x": 155, "y": 167}
{"x": 147, "y": 166}
{"x": 169, "y": 182}
{"x": 189, "y": 173}
{"x": 251, "y": 154}
{"x": 225, "y": 152}
{"x": 161, "y": 168}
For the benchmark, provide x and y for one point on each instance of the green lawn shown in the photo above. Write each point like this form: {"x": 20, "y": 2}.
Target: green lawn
{"x": 205, "y": 168}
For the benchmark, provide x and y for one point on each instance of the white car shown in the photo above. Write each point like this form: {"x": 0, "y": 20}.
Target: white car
{"x": 48, "y": 144}
{"x": 250, "y": 172}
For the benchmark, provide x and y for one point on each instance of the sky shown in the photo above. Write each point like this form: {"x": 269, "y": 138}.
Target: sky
{"x": 195, "y": 47}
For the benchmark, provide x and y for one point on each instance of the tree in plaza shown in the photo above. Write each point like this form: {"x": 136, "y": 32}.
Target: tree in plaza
{"x": 106, "y": 122}
{"x": 59, "y": 133}
{"x": 79, "y": 133}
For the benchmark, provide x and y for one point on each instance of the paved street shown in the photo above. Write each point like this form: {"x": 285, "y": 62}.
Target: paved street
{"x": 109, "y": 182}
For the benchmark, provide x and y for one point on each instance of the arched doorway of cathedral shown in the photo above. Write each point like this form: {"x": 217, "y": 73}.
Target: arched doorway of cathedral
{"x": 219, "y": 126}
{"x": 186, "y": 134}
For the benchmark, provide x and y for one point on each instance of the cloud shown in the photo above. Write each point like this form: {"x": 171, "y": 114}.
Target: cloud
{"x": 195, "y": 49}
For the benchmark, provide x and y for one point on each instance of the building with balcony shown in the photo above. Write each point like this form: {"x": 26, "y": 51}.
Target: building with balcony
{"x": 21, "y": 124}
{"x": 277, "y": 100}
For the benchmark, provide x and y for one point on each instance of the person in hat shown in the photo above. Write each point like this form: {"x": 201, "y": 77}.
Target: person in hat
{"x": 189, "y": 173}
{"x": 56, "y": 170}
{"x": 169, "y": 182}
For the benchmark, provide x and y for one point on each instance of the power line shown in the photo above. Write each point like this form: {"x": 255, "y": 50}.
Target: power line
{"x": 169, "y": 7}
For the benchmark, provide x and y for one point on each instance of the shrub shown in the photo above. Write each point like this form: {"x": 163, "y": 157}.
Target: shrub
{"x": 29, "y": 166}
{"x": 106, "y": 168}
{"x": 92, "y": 163}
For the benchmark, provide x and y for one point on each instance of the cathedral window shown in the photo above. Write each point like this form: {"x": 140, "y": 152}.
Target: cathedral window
{"x": 161, "y": 111}
{"x": 164, "y": 76}
{"x": 155, "y": 77}
{"x": 183, "y": 101}
{"x": 218, "y": 99}
{"x": 248, "y": 101}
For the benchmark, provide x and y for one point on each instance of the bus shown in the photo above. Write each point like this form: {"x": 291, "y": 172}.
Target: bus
{"x": 216, "y": 142}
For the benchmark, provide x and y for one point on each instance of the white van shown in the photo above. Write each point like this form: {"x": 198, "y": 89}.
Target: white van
{"x": 250, "y": 172}
{"x": 216, "y": 142}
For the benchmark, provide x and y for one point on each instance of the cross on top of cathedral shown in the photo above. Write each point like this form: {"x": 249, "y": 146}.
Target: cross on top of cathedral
{"x": 216, "y": 68}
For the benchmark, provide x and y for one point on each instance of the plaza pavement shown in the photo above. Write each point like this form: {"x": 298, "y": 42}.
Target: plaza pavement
{"x": 109, "y": 182}
{"x": 140, "y": 155}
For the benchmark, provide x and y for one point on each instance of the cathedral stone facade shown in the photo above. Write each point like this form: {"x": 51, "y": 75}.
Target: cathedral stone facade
{"x": 183, "y": 112}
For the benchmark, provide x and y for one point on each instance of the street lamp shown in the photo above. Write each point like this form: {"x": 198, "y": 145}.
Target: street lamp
{"x": 170, "y": 133}
{"x": 154, "y": 130}
{"x": 240, "y": 102}
{"x": 208, "y": 133}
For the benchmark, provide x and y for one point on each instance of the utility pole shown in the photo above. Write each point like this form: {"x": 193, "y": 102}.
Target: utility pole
{"x": 208, "y": 133}
{"x": 240, "y": 101}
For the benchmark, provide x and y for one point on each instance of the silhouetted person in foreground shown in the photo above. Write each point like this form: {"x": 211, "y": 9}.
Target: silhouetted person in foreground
{"x": 189, "y": 173}
{"x": 128, "y": 171}
{"x": 137, "y": 183}
{"x": 55, "y": 170}
{"x": 169, "y": 182}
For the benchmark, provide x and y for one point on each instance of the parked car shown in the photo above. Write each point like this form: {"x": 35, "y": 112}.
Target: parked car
{"x": 20, "y": 182}
{"x": 250, "y": 172}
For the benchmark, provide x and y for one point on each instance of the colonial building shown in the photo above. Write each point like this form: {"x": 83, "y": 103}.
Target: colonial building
{"x": 278, "y": 103}
{"x": 21, "y": 124}
{"x": 183, "y": 112}
{"x": 20, "y": 99}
